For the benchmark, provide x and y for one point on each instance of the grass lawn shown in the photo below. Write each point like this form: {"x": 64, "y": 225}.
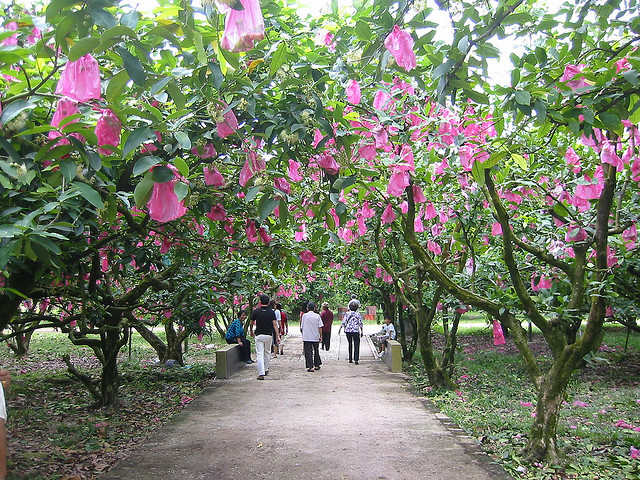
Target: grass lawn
{"x": 53, "y": 431}
{"x": 495, "y": 402}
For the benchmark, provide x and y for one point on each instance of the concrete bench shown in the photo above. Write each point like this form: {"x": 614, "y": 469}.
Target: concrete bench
{"x": 393, "y": 356}
{"x": 228, "y": 360}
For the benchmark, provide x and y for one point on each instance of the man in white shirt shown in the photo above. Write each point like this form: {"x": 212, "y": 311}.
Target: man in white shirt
{"x": 388, "y": 332}
{"x": 311, "y": 328}
{"x": 5, "y": 380}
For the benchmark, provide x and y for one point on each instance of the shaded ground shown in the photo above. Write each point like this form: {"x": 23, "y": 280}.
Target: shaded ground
{"x": 53, "y": 433}
{"x": 343, "y": 422}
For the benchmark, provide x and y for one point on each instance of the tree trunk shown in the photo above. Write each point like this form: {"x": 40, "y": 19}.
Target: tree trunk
{"x": 542, "y": 443}
{"x": 174, "y": 344}
{"x": 152, "y": 339}
{"x": 109, "y": 382}
{"x": 438, "y": 377}
{"x": 21, "y": 345}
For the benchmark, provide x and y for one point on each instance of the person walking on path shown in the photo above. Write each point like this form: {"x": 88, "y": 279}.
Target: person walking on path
{"x": 352, "y": 324}
{"x": 264, "y": 321}
{"x": 273, "y": 307}
{"x": 327, "y": 321}
{"x": 283, "y": 324}
{"x": 311, "y": 328}
{"x": 5, "y": 381}
{"x": 235, "y": 334}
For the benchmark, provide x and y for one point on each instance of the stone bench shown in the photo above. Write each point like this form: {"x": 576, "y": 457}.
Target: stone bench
{"x": 393, "y": 356}
{"x": 228, "y": 361}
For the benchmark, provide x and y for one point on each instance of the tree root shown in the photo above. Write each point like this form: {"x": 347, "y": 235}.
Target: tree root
{"x": 89, "y": 382}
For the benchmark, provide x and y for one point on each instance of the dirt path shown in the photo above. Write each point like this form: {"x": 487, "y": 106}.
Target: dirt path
{"x": 344, "y": 422}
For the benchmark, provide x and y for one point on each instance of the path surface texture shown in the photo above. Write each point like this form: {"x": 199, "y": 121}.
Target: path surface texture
{"x": 343, "y": 422}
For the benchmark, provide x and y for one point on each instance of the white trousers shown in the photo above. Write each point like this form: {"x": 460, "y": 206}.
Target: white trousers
{"x": 3, "y": 407}
{"x": 263, "y": 352}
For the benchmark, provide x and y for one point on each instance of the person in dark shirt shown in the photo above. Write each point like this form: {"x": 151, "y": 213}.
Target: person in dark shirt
{"x": 263, "y": 327}
{"x": 327, "y": 320}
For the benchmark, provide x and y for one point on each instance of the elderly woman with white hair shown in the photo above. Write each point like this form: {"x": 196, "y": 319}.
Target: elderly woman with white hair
{"x": 352, "y": 324}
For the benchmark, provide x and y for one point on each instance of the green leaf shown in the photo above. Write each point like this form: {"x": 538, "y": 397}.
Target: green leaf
{"x": 133, "y": 66}
{"x": 197, "y": 40}
{"x": 278, "y": 59}
{"x": 46, "y": 243}
{"x": 116, "y": 85}
{"x": 523, "y": 97}
{"x": 216, "y": 75}
{"x": 183, "y": 140}
{"x": 9, "y": 231}
{"x": 95, "y": 162}
{"x": 159, "y": 85}
{"x": 363, "y": 31}
{"x": 178, "y": 97}
{"x": 182, "y": 166}
{"x": 477, "y": 170}
{"x": 252, "y": 193}
{"x": 267, "y": 206}
{"x": 162, "y": 174}
{"x": 102, "y": 17}
{"x": 137, "y": 138}
{"x": 14, "y": 109}
{"x": 477, "y": 97}
{"x": 142, "y": 192}
{"x": 89, "y": 194}
{"x": 463, "y": 44}
{"x": 144, "y": 164}
{"x": 181, "y": 190}
{"x": 610, "y": 120}
{"x": 521, "y": 161}
{"x": 130, "y": 19}
{"x": 13, "y": 155}
{"x": 82, "y": 47}
{"x": 68, "y": 168}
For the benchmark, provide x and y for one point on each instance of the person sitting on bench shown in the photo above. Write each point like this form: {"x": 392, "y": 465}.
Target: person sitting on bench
{"x": 387, "y": 332}
{"x": 235, "y": 334}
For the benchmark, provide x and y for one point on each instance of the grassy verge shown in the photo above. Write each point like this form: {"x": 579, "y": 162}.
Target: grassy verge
{"x": 495, "y": 402}
{"x": 53, "y": 431}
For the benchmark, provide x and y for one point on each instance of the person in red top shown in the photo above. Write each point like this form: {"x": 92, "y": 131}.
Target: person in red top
{"x": 284, "y": 326}
{"x": 327, "y": 319}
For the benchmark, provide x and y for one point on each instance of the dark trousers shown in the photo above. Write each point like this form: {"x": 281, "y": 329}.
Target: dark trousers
{"x": 354, "y": 345}
{"x": 326, "y": 340}
{"x": 245, "y": 348}
{"x": 312, "y": 354}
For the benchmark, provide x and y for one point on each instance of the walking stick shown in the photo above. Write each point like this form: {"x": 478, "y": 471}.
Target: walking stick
{"x": 339, "y": 344}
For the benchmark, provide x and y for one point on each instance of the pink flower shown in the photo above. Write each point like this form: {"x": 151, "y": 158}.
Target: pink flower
{"x": 498, "y": 336}
{"x": 608, "y": 155}
{"x": 630, "y": 236}
{"x": 163, "y": 204}
{"x": 329, "y": 163}
{"x": 301, "y": 234}
{"x": 634, "y": 453}
{"x": 251, "y": 231}
{"x": 434, "y": 247}
{"x": 418, "y": 226}
{"x": 381, "y": 100}
{"x": 430, "y": 212}
{"x": 252, "y": 165}
{"x": 264, "y": 236}
{"x": 108, "y": 131}
{"x": 65, "y": 109}
{"x": 418, "y": 196}
{"x": 570, "y": 71}
{"x": 307, "y": 257}
{"x": 213, "y": 177}
{"x": 589, "y": 191}
{"x": 571, "y": 157}
{"x": 388, "y": 215}
{"x": 496, "y": 229}
{"x": 229, "y": 125}
{"x": 353, "y": 92}
{"x": 575, "y": 234}
{"x": 398, "y": 182}
{"x": 217, "y": 213}
{"x": 623, "y": 424}
{"x": 526, "y": 404}
{"x": 13, "y": 39}
{"x": 281, "y": 184}
{"x": 400, "y": 44}
{"x": 242, "y": 28}
{"x": 294, "y": 174}
{"x": 80, "y": 79}
{"x": 622, "y": 64}
{"x": 578, "y": 403}
{"x": 208, "y": 151}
